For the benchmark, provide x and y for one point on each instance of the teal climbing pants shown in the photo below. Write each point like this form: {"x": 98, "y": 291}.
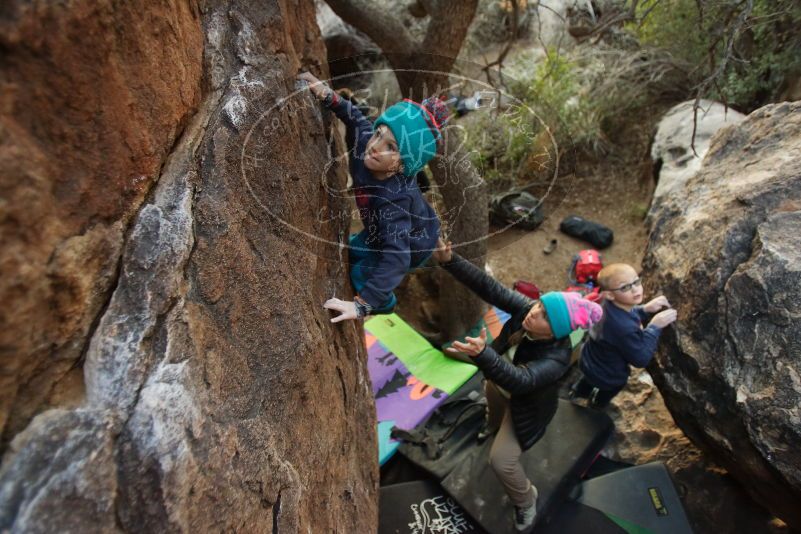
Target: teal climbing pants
{"x": 363, "y": 260}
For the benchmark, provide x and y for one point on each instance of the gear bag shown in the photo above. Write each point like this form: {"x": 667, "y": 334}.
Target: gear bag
{"x": 585, "y": 267}
{"x": 597, "y": 234}
{"x": 529, "y": 289}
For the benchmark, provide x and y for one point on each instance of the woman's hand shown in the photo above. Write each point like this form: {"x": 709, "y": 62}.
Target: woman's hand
{"x": 319, "y": 89}
{"x": 473, "y": 347}
{"x": 657, "y": 304}
{"x": 443, "y": 252}
{"x": 347, "y": 309}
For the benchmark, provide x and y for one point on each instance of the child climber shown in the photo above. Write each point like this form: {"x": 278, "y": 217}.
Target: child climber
{"x": 400, "y": 227}
{"x": 522, "y": 367}
{"x": 619, "y": 340}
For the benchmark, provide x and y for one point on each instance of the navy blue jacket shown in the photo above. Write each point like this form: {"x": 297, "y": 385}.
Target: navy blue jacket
{"x": 531, "y": 379}
{"x": 399, "y": 224}
{"x": 615, "y": 342}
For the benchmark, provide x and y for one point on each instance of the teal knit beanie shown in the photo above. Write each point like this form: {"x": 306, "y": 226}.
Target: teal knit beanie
{"x": 416, "y": 133}
{"x": 568, "y": 311}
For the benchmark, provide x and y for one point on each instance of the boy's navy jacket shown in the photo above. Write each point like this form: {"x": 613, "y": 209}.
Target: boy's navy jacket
{"x": 399, "y": 224}
{"x": 615, "y": 342}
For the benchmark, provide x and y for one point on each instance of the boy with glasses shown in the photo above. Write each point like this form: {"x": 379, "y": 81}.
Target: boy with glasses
{"x": 619, "y": 339}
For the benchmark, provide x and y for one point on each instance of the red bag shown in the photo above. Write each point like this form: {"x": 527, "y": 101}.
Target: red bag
{"x": 527, "y": 288}
{"x": 585, "y": 267}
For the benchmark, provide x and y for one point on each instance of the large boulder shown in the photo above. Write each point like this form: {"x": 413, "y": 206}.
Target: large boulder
{"x": 170, "y": 229}
{"x": 725, "y": 248}
{"x": 646, "y": 432}
{"x": 682, "y": 139}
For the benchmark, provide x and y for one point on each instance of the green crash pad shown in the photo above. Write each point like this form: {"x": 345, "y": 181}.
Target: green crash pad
{"x": 425, "y": 362}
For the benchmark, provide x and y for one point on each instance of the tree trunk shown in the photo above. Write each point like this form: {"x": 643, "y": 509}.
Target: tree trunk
{"x": 465, "y": 196}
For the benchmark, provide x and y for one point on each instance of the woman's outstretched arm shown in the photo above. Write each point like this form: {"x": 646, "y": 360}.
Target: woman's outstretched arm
{"x": 482, "y": 284}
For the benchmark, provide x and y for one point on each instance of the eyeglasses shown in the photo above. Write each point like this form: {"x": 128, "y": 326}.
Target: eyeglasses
{"x": 625, "y": 288}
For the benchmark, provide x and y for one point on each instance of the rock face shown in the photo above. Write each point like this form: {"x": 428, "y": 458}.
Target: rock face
{"x": 724, "y": 248}
{"x": 170, "y": 226}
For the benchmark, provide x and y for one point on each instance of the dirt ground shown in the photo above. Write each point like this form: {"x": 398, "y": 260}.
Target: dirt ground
{"x": 605, "y": 196}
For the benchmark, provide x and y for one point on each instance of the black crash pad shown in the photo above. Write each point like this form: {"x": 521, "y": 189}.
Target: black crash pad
{"x": 575, "y": 518}
{"x": 421, "y": 507}
{"x": 451, "y": 431}
{"x": 641, "y": 499}
{"x": 554, "y": 464}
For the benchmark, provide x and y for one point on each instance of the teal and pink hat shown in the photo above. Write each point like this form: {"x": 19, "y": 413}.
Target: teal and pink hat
{"x": 418, "y": 129}
{"x": 569, "y": 311}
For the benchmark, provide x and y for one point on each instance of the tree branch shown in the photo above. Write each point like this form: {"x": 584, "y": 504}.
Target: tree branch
{"x": 379, "y": 25}
{"x": 444, "y": 37}
{"x": 514, "y": 29}
{"x": 728, "y": 39}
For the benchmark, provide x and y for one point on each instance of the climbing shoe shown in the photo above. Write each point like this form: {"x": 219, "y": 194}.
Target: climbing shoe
{"x": 485, "y": 432}
{"x": 525, "y": 516}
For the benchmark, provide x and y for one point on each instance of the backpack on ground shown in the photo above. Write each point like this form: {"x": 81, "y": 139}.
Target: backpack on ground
{"x": 520, "y": 209}
{"x": 585, "y": 267}
{"x": 587, "y": 291}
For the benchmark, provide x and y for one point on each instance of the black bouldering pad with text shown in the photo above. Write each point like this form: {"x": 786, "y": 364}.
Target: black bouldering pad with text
{"x": 641, "y": 499}
{"x": 421, "y": 507}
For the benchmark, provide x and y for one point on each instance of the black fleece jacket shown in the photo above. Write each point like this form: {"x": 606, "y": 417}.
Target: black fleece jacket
{"x": 538, "y": 364}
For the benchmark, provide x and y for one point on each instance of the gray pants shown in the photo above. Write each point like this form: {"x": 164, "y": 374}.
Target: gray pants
{"x": 505, "y": 452}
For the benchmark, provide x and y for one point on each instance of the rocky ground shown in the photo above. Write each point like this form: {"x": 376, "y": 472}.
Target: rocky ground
{"x": 645, "y": 432}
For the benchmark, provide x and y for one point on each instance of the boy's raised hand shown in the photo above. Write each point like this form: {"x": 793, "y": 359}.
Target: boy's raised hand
{"x": 347, "y": 309}
{"x": 656, "y": 304}
{"x": 443, "y": 252}
{"x": 473, "y": 347}
{"x": 318, "y": 88}
{"x": 664, "y": 318}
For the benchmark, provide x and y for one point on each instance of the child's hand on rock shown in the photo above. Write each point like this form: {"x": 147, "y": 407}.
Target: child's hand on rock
{"x": 663, "y": 318}
{"x": 473, "y": 347}
{"x": 443, "y": 252}
{"x": 318, "y": 88}
{"x": 347, "y": 309}
{"x": 656, "y": 304}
